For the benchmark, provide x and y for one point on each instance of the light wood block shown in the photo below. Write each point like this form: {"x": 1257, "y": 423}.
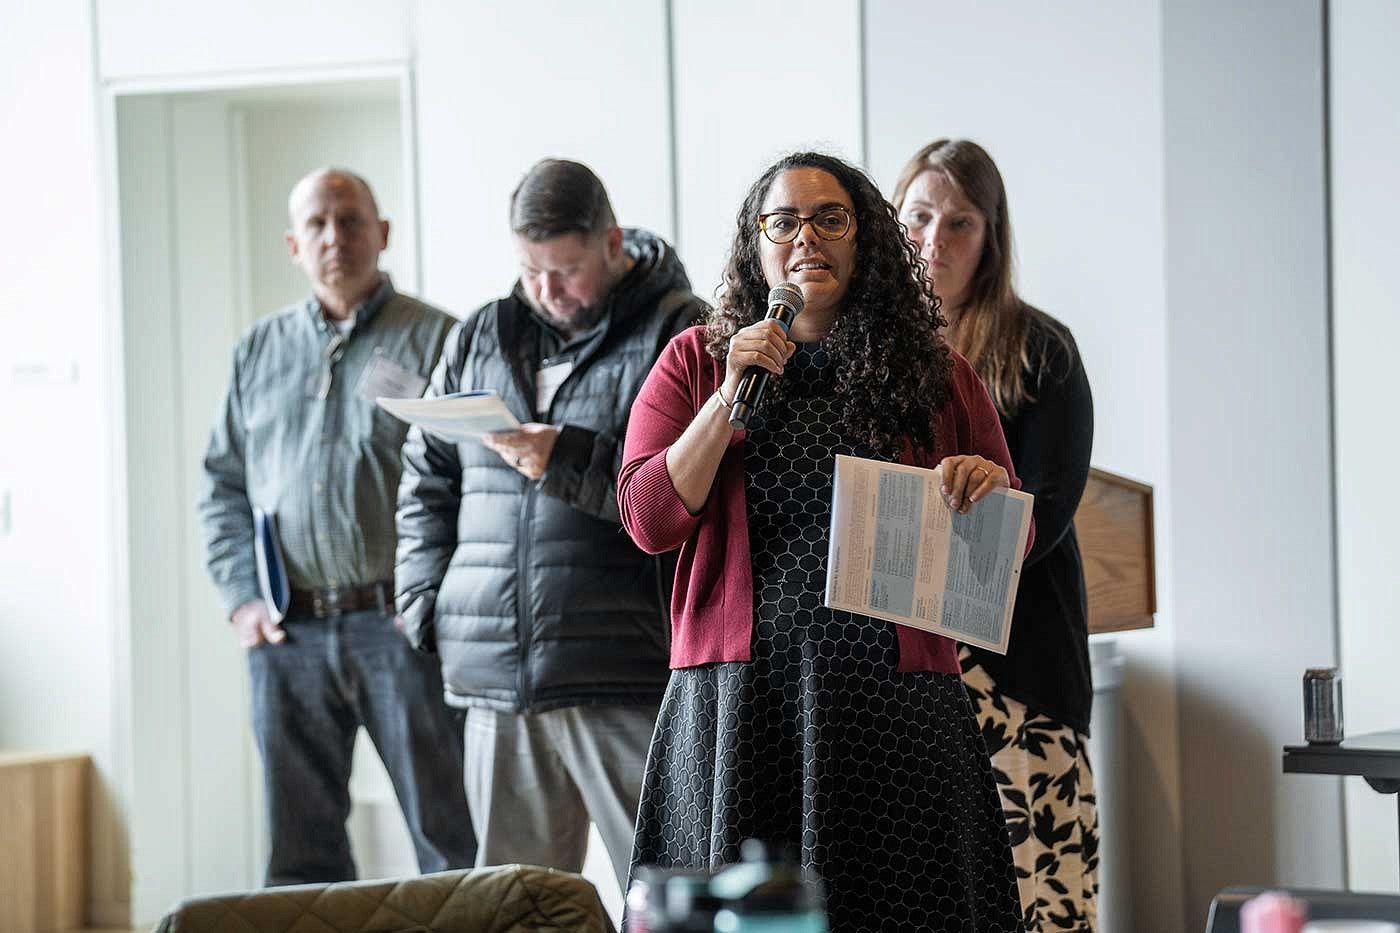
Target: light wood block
{"x": 1114, "y": 525}
{"x": 43, "y": 841}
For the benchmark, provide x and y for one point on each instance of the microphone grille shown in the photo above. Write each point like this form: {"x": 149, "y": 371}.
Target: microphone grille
{"x": 787, "y": 295}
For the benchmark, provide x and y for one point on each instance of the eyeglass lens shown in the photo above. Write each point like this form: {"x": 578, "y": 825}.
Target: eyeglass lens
{"x": 783, "y": 227}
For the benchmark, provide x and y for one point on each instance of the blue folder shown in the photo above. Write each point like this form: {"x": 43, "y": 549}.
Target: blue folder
{"x": 272, "y": 571}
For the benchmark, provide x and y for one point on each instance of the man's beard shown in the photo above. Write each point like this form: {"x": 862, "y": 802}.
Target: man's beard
{"x": 577, "y": 322}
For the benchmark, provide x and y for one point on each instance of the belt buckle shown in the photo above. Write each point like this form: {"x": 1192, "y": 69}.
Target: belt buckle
{"x": 325, "y": 603}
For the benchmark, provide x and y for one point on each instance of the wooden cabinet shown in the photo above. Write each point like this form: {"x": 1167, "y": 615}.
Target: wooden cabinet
{"x": 43, "y": 841}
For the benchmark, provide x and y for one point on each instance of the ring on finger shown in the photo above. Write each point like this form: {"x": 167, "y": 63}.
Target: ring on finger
{"x": 983, "y": 470}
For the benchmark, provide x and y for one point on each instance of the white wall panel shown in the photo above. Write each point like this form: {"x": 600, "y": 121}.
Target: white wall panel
{"x": 60, "y": 678}
{"x": 51, "y": 436}
{"x": 203, "y": 275}
{"x": 753, "y": 82}
{"x": 1068, "y": 101}
{"x": 192, "y": 816}
{"x": 501, "y": 86}
{"x": 1250, "y": 436}
{"x": 1365, "y": 85}
{"x": 159, "y": 633}
{"x": 164, "y": 39}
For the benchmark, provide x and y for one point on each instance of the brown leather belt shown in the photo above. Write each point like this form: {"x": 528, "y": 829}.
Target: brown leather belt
{"x": 332, "y": 601}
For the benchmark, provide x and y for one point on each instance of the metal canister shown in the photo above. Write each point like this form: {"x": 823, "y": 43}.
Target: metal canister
{"x": 1322, "y": 706}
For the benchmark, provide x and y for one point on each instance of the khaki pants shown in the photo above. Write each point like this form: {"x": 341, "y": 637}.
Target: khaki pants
{"x": 534, "y": 782}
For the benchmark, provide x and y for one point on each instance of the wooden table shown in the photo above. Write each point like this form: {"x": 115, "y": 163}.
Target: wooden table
{"x": 1374, "y": 756}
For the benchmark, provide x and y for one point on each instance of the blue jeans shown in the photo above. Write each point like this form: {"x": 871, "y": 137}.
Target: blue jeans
{"x": 310, "y": 695}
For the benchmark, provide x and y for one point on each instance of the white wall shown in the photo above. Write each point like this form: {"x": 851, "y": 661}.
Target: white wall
{"x": 158, "y": 538}
{"x": 1068, "y": 100}
{"x": 502, "y": 85}
{"x": 1248, "y": 395}
{"x": 1365, "y": 135}
{"x": 358, "y": 129}
{"x": 59, "y": 681}
{"x": 754, "y": 82}
{"x": 155, "y": 40}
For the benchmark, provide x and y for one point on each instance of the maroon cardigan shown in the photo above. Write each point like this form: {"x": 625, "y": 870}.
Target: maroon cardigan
{"x": 712, "y": 606}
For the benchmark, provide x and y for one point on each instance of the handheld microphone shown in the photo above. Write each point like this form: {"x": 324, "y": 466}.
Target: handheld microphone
{"x": 785, "y": 302}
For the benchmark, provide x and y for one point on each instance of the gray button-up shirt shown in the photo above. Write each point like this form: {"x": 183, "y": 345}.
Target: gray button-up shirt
{"x": 301, "y": 436}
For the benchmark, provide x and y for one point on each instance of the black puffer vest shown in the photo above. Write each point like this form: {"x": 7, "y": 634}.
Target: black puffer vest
{"x": 546, "y": 602}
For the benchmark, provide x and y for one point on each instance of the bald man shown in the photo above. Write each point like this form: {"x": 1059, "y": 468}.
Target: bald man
{"x": 300, "y": 439}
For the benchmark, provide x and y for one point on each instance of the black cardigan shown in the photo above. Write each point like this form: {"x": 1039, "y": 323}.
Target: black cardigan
{"x": 1047, "y": 664}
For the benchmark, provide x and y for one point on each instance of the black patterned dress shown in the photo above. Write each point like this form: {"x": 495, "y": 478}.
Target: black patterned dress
{"x": 880, "y": 779}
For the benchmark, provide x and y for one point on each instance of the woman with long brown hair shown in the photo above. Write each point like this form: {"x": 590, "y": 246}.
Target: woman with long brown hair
{"x": 1033, "y": 703}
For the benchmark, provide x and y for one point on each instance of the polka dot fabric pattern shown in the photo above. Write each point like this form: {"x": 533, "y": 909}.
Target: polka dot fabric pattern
{"x": 879, "y": 779}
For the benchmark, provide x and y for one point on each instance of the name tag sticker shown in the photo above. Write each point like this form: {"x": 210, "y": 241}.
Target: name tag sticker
{"x": 383, "y": 377}
{"x": 548, "y": 379}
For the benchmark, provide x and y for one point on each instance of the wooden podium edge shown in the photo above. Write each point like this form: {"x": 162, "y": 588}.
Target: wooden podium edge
{"x": 1102, "y": 623}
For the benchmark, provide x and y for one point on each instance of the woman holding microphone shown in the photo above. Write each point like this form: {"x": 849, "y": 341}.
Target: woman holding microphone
{"x": 850, "y": 738}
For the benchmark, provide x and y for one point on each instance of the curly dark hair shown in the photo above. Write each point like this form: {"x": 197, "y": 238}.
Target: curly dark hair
{"x": 893, "y": 369}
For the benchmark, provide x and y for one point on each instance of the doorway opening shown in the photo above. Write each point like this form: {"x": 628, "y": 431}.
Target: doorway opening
{"x": 202, "y": 183}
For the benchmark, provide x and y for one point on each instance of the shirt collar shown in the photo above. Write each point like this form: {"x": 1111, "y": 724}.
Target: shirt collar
{"x": 363, "y": 312}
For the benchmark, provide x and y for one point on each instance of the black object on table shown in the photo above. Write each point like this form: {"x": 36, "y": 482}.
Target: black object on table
{"x": 1374, "y": 756}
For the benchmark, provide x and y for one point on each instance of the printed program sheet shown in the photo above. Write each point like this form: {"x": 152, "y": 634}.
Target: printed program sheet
{"x": 898, "y": 552}
{"x": 464, "y": 416}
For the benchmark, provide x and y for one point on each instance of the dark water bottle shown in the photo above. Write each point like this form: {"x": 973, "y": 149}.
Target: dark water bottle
{"x": 768, "y": 893}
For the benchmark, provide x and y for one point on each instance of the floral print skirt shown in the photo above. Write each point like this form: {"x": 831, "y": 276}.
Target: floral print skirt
{"x": 1042, "y": 772}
